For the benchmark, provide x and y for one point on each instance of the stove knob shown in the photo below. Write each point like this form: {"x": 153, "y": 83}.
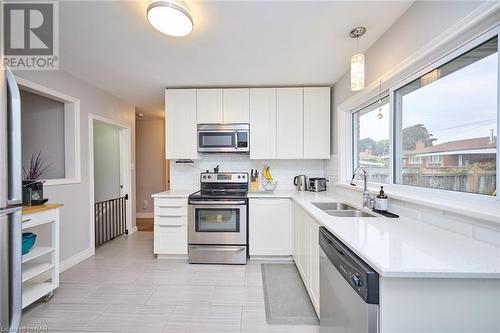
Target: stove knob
{"x": 239, "y": 176}
{"x": 204, "y": 177}
{"x": 209, "y": 177}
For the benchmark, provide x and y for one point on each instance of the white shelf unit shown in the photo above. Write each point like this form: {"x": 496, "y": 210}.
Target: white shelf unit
{"x": 40, "y": 272}
{"x": 38, "y": 251}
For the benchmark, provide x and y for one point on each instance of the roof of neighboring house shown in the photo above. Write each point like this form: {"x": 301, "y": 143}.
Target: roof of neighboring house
{"x": 457, "y": 146}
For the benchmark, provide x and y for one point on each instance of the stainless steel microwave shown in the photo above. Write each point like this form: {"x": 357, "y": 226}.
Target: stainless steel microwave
{"x": 224, "y": 138}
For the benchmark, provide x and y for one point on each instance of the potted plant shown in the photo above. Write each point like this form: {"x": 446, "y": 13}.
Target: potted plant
{"x": 32, "y": 183}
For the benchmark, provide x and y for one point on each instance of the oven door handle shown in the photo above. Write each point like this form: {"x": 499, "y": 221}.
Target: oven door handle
{"x": 210, "y": 203}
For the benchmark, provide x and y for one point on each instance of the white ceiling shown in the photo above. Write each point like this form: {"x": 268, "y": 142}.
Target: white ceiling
{"x": 234, "y": 43}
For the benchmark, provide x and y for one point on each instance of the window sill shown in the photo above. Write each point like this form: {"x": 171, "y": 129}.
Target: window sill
{"x": 487, "y": 209}
{"x": 62, "y": 181}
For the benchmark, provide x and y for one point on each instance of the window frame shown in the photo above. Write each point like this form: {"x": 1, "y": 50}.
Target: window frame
{"x": 396, "y": 124}
{"x": 72, "y": 153}
{"x": 354, "y": 133}
{"x": 397, "y": 110}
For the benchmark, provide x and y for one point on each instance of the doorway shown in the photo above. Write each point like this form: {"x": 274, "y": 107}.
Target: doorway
{"x": 110, "y": 174}
{"x": 152, "y": 169}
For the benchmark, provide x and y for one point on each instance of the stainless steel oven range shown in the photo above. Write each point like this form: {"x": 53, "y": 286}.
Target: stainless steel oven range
{"x": 217, "y": 219}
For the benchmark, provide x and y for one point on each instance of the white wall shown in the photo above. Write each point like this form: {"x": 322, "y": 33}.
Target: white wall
{"x": 187, "y": 176}
{"x": 106, "y": 161}
{"x": 75, "y": 216}
{"x": 150, "y": 157}
{"x": 43, "y": 130}
{"x": 420, "y": 26}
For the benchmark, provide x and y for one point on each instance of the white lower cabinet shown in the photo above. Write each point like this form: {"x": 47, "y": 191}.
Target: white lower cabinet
{"x": 306, "y": 251}
{"x": 170, "y": 230}
{"x": 170, "y": 239}
{"x": 314, "y": 263}
{"x": 269, "y": 227}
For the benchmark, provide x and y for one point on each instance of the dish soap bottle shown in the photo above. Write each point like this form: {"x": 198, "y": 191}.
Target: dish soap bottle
{"x": 381, "y": 201}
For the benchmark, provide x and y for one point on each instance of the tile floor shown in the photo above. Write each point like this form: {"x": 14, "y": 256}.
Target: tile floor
{"x": 123, "y": 288}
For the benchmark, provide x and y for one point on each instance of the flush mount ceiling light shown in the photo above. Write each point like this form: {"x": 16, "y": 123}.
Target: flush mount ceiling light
{"x": 171, "y": 17}
{"x": 357, "y": 62}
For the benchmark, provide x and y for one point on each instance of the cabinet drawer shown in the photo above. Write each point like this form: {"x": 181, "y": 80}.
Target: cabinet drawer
{"x": 170, "y": 220}
{"x": 38, "y": 218}
{"x": 171, "y": 202}
{"x": 170, "y": 211}
{"x": 170, "y": 239}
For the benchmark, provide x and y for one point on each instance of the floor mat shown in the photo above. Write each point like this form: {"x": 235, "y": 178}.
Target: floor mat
{"x": 286, "y": 298}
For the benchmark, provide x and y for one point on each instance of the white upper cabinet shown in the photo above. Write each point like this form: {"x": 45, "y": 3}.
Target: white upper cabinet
{"x": 223, "y": 106}
{"x": 180, "y": 118}
{"x": 263, "y": 123}
{"x": 236, "y": 105}
{"x": 285, "y": 123}
{"x": 290, "y": 123}
{"x": 317, "y": 122}
{"x": 209, "y": 106}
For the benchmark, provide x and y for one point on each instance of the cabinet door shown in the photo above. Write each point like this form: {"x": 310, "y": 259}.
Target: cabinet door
{"x": 180, "y": 118}
{"x": 209, "y": 106}
{"x": 295, "y": 231}
{"x": 269, "y": 227}
{"x": 171, "y": 239}
{"x": 302, "y": 244}
{"x": 317, "y": 122}
{"x": 306, "y": 248}
{"x": 314, "y": 263}
{"x": 263, "y": 123}
{"x": 236, "y": 105}
{"x": 289, "y": 129}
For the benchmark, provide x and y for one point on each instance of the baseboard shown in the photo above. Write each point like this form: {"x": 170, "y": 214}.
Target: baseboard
{"x": 145, "y": 215}
{"x": 272, "y": 258}
{"x": 171, "y": 256}
{"x": 76, "y": 259}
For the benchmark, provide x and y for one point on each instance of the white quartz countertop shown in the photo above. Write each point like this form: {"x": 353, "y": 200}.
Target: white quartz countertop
{"x": 397, "y": 247}
{"x": 174, "y": 194}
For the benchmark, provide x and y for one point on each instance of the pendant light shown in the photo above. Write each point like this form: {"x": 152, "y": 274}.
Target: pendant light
{"x": 357, "y": 62}
{"x": 171, "y": 17}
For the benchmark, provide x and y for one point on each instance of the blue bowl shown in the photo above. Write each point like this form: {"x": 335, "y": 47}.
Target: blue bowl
{"x": 29, "y": 239}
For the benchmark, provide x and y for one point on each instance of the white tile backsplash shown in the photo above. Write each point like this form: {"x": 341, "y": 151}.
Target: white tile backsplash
{"x": 187, "y": 176}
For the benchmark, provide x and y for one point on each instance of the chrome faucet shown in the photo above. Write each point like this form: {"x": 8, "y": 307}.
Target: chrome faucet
{"x": 368, "y": 200}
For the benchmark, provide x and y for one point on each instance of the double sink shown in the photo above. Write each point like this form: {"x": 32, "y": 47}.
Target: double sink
{"x": 340, "y": 209}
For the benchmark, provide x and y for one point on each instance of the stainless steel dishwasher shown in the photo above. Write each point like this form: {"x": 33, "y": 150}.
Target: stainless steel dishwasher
{"x": 349, "y": 289}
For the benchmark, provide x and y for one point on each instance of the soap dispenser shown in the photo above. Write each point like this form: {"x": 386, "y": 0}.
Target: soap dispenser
{"x": 381, "y": 201}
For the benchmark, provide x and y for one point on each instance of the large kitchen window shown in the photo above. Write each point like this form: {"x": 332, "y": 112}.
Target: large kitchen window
{"x": 371, "y": 139}
{"x": 444, "y": 125}
{"x": 447, "y": 124}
